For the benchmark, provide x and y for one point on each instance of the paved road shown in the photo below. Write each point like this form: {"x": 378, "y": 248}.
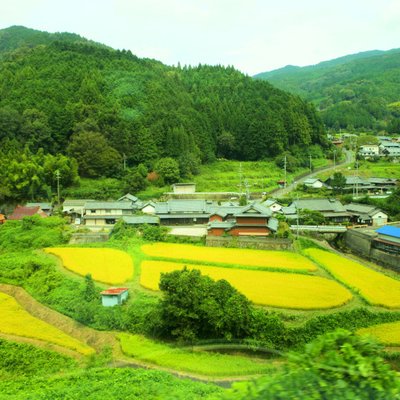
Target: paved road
{"x": 282, "y": 192}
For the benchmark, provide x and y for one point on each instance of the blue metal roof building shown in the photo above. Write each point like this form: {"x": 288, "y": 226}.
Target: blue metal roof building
{"x": 388, "y": 230}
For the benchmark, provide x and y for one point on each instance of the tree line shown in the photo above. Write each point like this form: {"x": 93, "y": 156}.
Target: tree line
{"x": 108, "y": 109}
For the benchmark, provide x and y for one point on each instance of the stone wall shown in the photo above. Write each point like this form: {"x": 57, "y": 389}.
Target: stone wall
{"x": 249, "y": 242}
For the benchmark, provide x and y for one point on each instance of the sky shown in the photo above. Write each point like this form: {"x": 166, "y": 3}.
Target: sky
{"x": 252, "y": 35}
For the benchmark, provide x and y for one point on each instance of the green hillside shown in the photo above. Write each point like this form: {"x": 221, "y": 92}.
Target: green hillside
{"x": 356, "y": 91}
{"x": 61, "y": 85}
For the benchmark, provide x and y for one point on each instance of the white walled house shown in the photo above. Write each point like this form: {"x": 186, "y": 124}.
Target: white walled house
{"x": 273, "y": 205}
{"x": 313, "y": 183}
{"x": 103, "y": 213}
{"x": 370, "y": 150}
{"x": 366, "y": 214}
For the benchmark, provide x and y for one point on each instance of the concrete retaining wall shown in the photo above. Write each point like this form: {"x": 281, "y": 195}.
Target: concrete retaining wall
{"x": 90, "y": 237}
{"x": 358, "y": 242}
{"x": 361, "y": 244}
{"x": 249, "y": 242}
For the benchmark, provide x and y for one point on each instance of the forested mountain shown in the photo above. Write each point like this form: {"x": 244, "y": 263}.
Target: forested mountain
{"x": 16, "y": 37}
{"x": 67, "y": 95}
{"x": 359, "y": 91}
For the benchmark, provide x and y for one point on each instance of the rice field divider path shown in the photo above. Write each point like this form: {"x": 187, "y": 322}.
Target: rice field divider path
{"x": 96, "y": 339}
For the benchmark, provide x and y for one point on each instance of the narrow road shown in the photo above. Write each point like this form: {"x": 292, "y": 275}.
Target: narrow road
{"x": 282, "y": 192}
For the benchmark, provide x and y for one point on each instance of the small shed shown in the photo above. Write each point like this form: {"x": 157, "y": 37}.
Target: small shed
{"x": 2, "y": 219}
{"x": 114, "y": 296}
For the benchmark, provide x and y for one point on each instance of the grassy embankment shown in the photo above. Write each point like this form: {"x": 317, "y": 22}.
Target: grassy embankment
{"x": 220, "y": 176}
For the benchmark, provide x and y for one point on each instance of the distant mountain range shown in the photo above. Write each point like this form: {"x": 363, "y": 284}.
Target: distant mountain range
{"x": 359, "y": 91}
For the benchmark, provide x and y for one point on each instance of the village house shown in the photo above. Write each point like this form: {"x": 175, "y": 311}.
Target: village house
{"x": 366, "y": 214}
{"x": 273, "y": 205}
{"x": 23, "y": 211}
{"x": 114, "y": 296}
{"x": 332, "y": 209}
{"x": 367, "y": 185}
{"x": 103, "y": 213}
{"x": 46, "y": 207}
{"x": 388, "y": 239}
{"x": 183, "y": 212}
{"x": 75, "y": 208}
{"x": 369, "y": 150}
{"x": 314, "y": 183}
{"x": 251, "y": 220}
{"x": 137, "y": 220}
{"x": 148, "y": 208}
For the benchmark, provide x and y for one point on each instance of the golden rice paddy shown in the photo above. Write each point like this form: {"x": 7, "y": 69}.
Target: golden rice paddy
{"x": 277, "y": 289}
{"x": 16, "y": 321}
{"x": 105, "y": 265}
{"x": 256, "y": 258}
{"x": 388, "y": 334}
{"x": 376, "y": 288}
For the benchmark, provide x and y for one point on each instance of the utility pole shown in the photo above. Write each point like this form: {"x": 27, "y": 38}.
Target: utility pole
{"x": 124, "y": 157}
{"x": 58, "y": 176}
{"x": 285, "y": 168}
{"x": 357, "y": 179}
{"x": 247, "y": 186}
{"x": 310, "y": 157}
{"x": 240, "y": 179}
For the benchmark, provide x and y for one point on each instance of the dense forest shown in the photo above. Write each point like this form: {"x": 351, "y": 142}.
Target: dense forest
{"x": 359, "y": 91}
{"x": 108, "y": 109}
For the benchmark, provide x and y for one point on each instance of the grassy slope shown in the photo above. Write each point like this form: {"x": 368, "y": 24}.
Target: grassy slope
{"x": 367, "y": 169}
{"x": 224, "y": 176}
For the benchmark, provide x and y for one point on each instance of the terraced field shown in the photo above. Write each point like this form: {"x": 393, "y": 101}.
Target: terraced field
{"x": 277, "y": 289}
{"x": 375, "y": 287}
{"x": 284, "y": 260}
{"x": 388, "y": 334}
{"x": 181, "y": 359}
{"x": 18, "y": 322}
{"x": 105, "y": 265}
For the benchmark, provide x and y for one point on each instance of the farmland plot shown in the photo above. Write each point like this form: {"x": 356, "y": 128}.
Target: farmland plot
{"x": 388, "y": 334}
{"x": 17, "y": 321}
{"x": 376, "y": 288}
{"x": 105, "y": 265}
{"x": 211, "y": 364}
{"x": 256, "y": 258}
{"x": 277, "y": 289}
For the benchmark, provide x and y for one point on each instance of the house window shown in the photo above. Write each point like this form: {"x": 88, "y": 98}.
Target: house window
{"x": 110, "y": 221}
{"x": 92, "y": 211}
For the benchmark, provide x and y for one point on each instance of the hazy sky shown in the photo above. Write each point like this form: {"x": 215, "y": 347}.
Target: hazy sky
{"x": 252, "y": 35}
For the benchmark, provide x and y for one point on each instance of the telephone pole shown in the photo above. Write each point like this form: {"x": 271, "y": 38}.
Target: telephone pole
{"x": 124, "y": 157}
{"x": 58, "y": 176}
{"x": 285, "y": 168}
{"x": 310, "y": 158}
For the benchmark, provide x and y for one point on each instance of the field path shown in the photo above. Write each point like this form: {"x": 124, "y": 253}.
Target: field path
{"x": 95, "y": 339}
